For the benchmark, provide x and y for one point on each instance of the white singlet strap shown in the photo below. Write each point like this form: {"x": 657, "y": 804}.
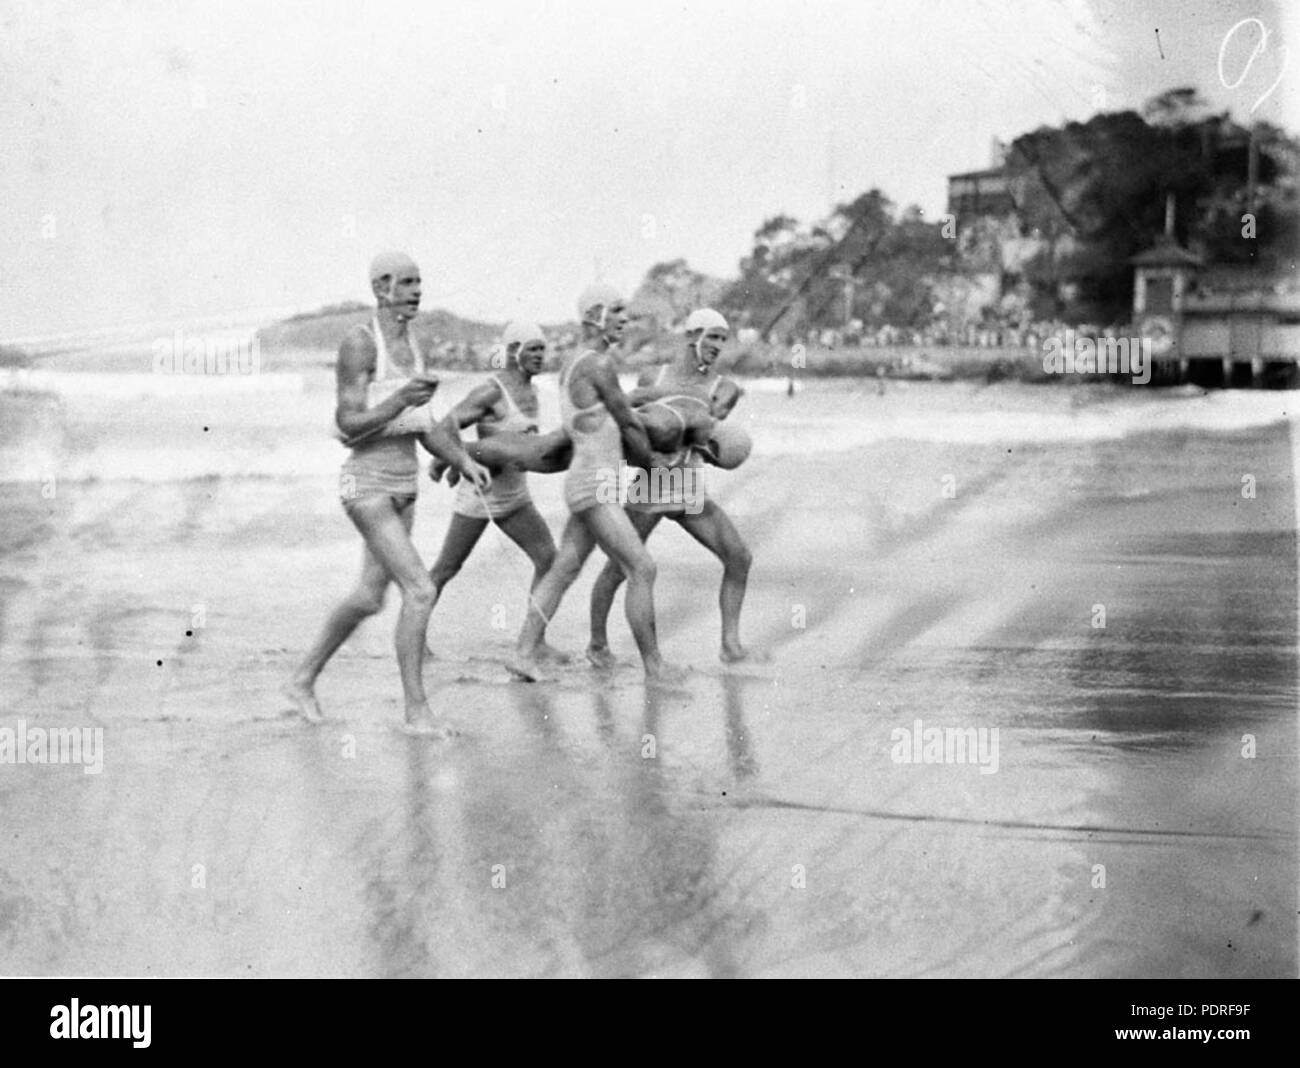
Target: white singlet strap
{"x": 567, "y": 376}
{"x": 381, "y": 350}
{"x": 574, "y": 366}
{"x": 506, "y": 393}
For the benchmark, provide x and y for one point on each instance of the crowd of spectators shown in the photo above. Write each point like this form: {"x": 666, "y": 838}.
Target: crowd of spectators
{"x": 990, "y": 334}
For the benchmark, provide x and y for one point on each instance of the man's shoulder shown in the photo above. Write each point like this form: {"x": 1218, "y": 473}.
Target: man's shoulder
{"x": 359, "y": 336}
{"x": 674, "y": 374}
{"x": 488, "y": 391}
{"x": 357, "y": 350}
{"x": 592, "y": 360}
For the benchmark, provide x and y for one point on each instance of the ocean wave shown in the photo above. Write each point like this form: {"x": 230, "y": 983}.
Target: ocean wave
{"x": 1017, "y": 414}
{"x": 73, "y": 384}
{"x": 163, "y": 428}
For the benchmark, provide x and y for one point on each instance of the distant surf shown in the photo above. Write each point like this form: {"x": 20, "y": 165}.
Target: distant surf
{"x": 176, "y": 427}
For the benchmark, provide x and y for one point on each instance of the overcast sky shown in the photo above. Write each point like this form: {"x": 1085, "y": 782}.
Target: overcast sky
{"x": 173, "y": 159}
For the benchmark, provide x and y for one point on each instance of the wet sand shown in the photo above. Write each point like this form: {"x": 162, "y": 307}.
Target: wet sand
{"x": 755, "y": 823}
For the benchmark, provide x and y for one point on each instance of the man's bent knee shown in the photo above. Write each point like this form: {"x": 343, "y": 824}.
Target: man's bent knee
{"x": 366, "y": 602}
{"x": 611, "y": 574}
{"x": 642, "y": 569}
{"x": 419, "y": 592}
{"x": 565, "y": 569}
{"x": 739, "y": 560}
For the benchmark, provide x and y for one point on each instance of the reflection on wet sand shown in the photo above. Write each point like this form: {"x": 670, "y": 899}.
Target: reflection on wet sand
{"x": 565, "y": 853}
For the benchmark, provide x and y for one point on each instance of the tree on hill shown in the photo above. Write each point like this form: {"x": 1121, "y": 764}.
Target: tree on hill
{"x": 670, "y": 291}
{"x": 1104, "y": 183}
{"x": 863, "y": 262}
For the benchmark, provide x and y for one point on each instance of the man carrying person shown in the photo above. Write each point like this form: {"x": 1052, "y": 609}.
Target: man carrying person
{"x": 599, "y": 421}
{"x": 681, "y": 497}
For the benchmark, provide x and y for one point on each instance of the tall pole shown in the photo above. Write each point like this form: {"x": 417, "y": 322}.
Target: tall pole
{"x": 1252, "y": 167}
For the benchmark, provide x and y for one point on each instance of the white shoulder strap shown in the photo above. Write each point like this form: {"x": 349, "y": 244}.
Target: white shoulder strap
{"x": 574, "y": 365}
{"x": 381, "y": 351}
{"x": 416, "y": 354}
{"x": 510, "y": 401}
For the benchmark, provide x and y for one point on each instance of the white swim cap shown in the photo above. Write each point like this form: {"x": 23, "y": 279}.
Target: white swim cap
{"x": 391, "y": 263}
{"x": 597, "y": 296}
{"x": 521, "y": 333}
{"x": 706, "y": 319}
{"x": 731, "y": 445}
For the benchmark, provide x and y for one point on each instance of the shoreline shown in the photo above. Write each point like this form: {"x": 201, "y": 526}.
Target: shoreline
{"x": 933, "y": 363}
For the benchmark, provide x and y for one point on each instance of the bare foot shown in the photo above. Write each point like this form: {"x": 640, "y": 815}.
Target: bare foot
{"x": 735, "y": 653}
{"x": 302, "y": 698}
{"x": 666, "y": 675}
{"x": 601, "y": 657}
{"x": 551, "y": 654}
{"x": 525, "y": 668}
{"x": 421, "y": 721}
